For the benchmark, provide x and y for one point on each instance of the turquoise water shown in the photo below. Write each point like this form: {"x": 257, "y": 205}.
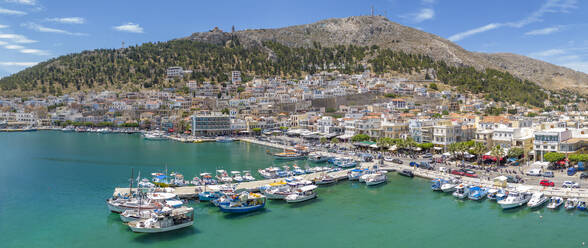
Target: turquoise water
{"x": 53, "y": 186}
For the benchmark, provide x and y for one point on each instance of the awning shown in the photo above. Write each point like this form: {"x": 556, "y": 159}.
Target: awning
{"x": 438, "y": 148}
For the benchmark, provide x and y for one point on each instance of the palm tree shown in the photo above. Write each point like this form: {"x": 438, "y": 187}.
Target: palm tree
{"x": 478, "y": 149}
{"x": 498, "y": 153}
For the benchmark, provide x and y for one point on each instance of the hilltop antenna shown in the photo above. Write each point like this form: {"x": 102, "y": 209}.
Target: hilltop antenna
{"x": 372, "y": 10}
{"x": 123, "y": 44}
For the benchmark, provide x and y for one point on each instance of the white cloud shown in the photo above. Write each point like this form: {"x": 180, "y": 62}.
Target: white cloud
{"x": 428, "y": 1}
{"x": 550, "y": 6}
{"x": 25, "y": 2}
{"x": 16, "y": 38}
{"x": 130, "y": 27}
{"x": 34, "y": 51}
{"x": 547, "y": 53}
{"x": 462, "y": 35}
{"x": 3, "y": 26}
{"x": 423, "y": 15}
{"x": 27, "y": 64}
{"x": 67, "y": 20}
{"x": 2, "y": 43}
{"x": 44, "y": 29}
{"x": 11, "y": 12}
{"x": 544, "y": 31}
{"x": 14, "y": 47}
{"x": 578, "y": 66}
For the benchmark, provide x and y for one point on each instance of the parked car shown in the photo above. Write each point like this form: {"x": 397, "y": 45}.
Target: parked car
{"x": 534, "y": 172}
{"x": 571, "y": 171}
{"x": 511, "y": 179}
{"x": 546, "y": 183}
{"x": 397, "y": 161}
{"x": 470, "y": 173}
{"x": 458, "y": 172}
{"x": 584, "y": 175}
{"x": 570, "y": 184}
{"x": 427, "y": 155}
{"x": 548, "y": 174}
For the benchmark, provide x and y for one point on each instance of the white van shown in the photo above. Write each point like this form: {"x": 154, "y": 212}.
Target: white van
{"x": 534, "y": 172}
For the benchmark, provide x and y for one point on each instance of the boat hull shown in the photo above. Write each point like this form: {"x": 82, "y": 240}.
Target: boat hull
{"x": 228, "y": 209}
{"x": 373, "y": 183}
{"x": 159, "y": 230}
{"x": 300, "y": 199}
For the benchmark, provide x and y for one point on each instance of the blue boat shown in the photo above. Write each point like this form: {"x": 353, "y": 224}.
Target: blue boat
{"x": 208, "y": 196}
{"x": 436, "y": 184}
{"x": 244, "y": 203}
{"x": 345, "y": 163}
{"x": 355, "y": 174}
{"x": 477, "y": 193}
{"x": 581, "y": 206}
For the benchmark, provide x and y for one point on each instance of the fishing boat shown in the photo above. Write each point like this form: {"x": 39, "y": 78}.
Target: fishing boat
{"x": 177, "y": 180}
{"x": 477, "y": 193}
{"x": 119, "y": 205}
{"x": 492, "y": 194}
{"x": 144, "y": 183}
{"x": 318, "y": 157}
{"x": 161, "y": 180}
{"x": 208, "y": 195}
{"x": 137, "y": 214}
{"x": 514, "y": 200}
{"x": 537, "y": 200}
{"x": 324, "y": 180}
{"x": 166, "y": 219}
{"x": 555, "y": 202}
{"x": 224, "y": 139}
{"x": 437, "y": 183}
{"x": 448, "y": 187}
{"x": 461, "y": 191}
{"x": 571, "y": 203}
{"x": 297, "y": 170}
{"x": 302, "y": 194}
{"x": 501, "y": 194}
{"x": 375, "y": 179}
{"x": 355, "y": 174}
{"x": 276, "y": 191}
{"x": 223, "y": 177}
{"x": 406, "y": 173}
{"x": 247, "y": 176}
{"x": 269, "y": 173}
{"x": 236, "y": 175}
{"x": 244, "y": 202}
{"x": 581, "y": 206}
{"x": 288, "y": 156}
{"x": 207, "y": 179}
{"x": 345, "y": 163}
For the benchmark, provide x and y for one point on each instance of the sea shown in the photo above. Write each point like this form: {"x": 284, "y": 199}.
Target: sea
{"x": 53, "y": 187}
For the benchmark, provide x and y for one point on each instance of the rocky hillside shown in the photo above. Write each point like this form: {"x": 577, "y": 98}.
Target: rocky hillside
{"x": 379, "y": 31}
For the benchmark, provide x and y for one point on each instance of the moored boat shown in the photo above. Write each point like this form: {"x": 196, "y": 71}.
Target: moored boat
{"x": 581, "y": 206}
{"x": 555, "y": 202}
{"x": 461, "y": 191}
{"x": 244, "y": 202}
{"x": 302, "y": 194}
{"x": 537, "y": 200}
{"x": 288, "y": 156}
{"x": 571, "y": 203}
{"x": 167, "y": 219}
{"x": 514, "y": 200}
{"x": 224, "y": 139}
{"x": 247, "y": 176}
{"x": 355, "y": 174}
{"x": 406, "y": 173}
{"x": 324, "y": 180}
{"x": 477, "y": 193}
{"x": 375, "y": 179}
{"x": 318, "y": 157}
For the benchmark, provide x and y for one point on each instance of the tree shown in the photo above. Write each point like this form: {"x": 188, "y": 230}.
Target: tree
{"x": 478, "y": 149}
{"x": 433, "y": 86}
{"x": 360, "y": 137}
{"x": 323, "y": 140}
{"x": 256, "y": 130}
{"x": 578, "y": 157}
{"x": 445, "y": 112}
{"x": 335, "y": 141}
{"x": 498, "y": 153}
{"x": 553, "y": 157}
{"x": 426, "y": 146}
{"x": 225, "y": 111}
{"x": 515, "y": 152}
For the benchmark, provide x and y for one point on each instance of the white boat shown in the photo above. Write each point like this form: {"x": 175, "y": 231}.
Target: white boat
{"x": 375, "y": 179}
{"x": 247, "y": 176}
{"x": 302, "y": 194}
{"x": 237, "y": 176}
{"x": 154, "y": 135}
{"x": 514, "y": 200}
{"x": 461, "y": 191}
{"x": 355, "y": 174}
{"x": 135, "y": 214}
{"x": 555, "y": 202}
{"x": 571, "y": 203}
{"x": 318, "y": 157}
{"x": 277, "y": 191}
{"x": 269, "y": 173}
{"x": 324, "y": 179}
{"x": 145, "y": 183}
{"x": 448, "y": 187}
{"x": 223, "y": 177}
{"x": 224, "y": 139}
{"x": 119, "y": 205}
{"x": 537, "y": 200}
{"x": 167, "y": 219}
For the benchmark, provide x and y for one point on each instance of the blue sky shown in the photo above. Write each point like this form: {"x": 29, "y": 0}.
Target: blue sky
{"x": 32, "y": 31}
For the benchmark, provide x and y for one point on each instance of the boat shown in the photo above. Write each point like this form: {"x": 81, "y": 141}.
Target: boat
{"x": 355, "y": 174}
{"x": 537, "y": 200}
{"x": 68, "y": 129}
{"x": 223, "y": 177}
{"x": 477, "y": 193}
{"x": 164, "y": 220}
{"x": 208, "y": 195}
{"x": 461, "y": 191}
{"x": 514, "y": 200}
{"x": 277, "y": 191}
{"x": 492, "y": 194}
{"x": 135, "y": 214}
{"x": 449, "y": 186}
{"x": 288, "y": 156}
{"x": 244, "y": 202}
{"x": 297, "y": 170}
{"x": 501, "y": 194}
{"x": 207, "y": 179}
{"x": 145, "y": 183}
{"x": 406, "y": 173}
{"x": 302, "y": 194}
{"x": 344, "y": 163}
{"x": 223, "y": 139}
{"x": 247, "y": 176}
{"x": 437, "y": 183}
{"x": 375, "y": 179}
{"x": 581, "y": 206}
{"x": 269, "y": 173}
{"x": 161, "y": 180}
{"x": 571, "y": 203}
{"x": 555, "y": 202}
{"x": 324, "y": 180}
{"x": 237, "y": 176}
{"x": 154, "y": 135}
{"x": 119, "y": 205}
{"x": 318, "y": 158}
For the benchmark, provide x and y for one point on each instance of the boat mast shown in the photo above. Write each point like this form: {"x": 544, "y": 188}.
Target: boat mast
{"x": 131, "y": 188}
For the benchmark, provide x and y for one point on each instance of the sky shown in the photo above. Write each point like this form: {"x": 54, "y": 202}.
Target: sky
{"x": 32, "y": 31}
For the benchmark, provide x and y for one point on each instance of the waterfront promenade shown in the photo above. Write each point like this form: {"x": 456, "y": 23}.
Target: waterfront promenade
{"x": 192, "y": 191}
